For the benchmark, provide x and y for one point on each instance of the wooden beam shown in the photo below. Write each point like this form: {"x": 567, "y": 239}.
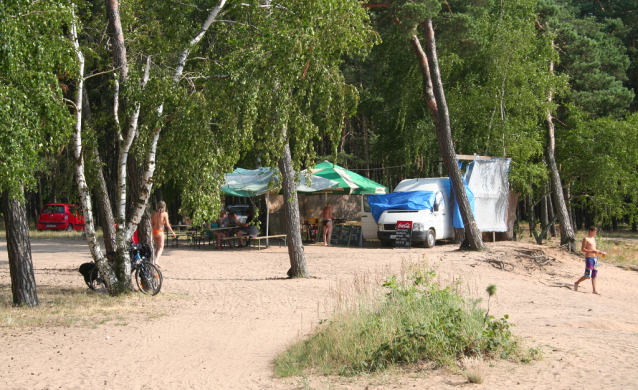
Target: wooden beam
{"x": 473, "y": 157}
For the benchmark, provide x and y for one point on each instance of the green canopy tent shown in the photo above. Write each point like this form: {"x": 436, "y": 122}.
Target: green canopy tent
{"x": 350, "y": 183}
{"x": 247, "y": 183}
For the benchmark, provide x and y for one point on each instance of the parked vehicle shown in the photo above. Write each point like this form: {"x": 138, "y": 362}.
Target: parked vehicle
{"x": 60, "y": 216}
{"x": 428, "y": 225}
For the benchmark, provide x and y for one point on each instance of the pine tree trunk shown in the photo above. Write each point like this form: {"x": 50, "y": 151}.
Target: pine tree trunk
{"x": 531, "y": 216}
{"x": 19, "y": 250}
{"x": 444, "y": 136}
{"x": 298, "y": 267}
{"x": 550, "y": 212}
{"x": 567, "y": 236}
{"x": 544, "y": 215}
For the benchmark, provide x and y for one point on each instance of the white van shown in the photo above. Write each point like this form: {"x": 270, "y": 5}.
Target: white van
{"x": 427, "y": 225}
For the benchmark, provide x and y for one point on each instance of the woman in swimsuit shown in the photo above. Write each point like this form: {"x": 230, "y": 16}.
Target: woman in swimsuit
{"x": 158, "y": 220}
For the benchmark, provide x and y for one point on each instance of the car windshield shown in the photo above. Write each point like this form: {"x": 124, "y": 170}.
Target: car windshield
{"x": 51, "y": 208}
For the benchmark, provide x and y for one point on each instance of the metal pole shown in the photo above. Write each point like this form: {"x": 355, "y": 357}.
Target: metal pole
{"x": 267, "y": 217}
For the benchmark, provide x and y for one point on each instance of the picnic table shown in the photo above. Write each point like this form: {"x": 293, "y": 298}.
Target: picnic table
{"x": 209, "y": 234}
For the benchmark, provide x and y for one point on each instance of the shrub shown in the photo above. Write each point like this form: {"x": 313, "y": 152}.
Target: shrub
{"x": 416, "y": 319}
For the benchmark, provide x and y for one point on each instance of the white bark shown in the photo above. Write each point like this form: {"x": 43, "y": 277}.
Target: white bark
{"x": 116, "y": 108}
{"x": 147, "y": 186}
{"x": 125, "y": 147}
{"x": 181, "y": 62}
{"x": 83, "y": 189}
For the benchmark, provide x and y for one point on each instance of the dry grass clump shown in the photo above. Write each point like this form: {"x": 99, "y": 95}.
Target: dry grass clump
{"x": 474, "y": 369}
{"x": 77, "y": 307}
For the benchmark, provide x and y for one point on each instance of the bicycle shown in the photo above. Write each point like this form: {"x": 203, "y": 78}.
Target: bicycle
{"x": 148, "y": 277}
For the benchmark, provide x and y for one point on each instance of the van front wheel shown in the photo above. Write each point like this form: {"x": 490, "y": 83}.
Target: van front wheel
{"x": 430, "y": 239}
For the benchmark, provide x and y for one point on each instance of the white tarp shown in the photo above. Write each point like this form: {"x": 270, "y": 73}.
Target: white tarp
{"x": 489, "y": 181}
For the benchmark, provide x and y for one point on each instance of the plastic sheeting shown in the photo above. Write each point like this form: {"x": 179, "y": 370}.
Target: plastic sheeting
{"x": 457, "y": 219}
{"x": 410, "y": 200}
{"x": 253, "y": 182}
{"x": 489, "y": 181}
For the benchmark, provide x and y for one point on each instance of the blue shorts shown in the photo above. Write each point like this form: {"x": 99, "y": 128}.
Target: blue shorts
{"x": 591, "y": 267}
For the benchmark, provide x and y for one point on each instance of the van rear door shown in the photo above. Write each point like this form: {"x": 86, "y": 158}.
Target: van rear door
{"x": 368, "y": 224}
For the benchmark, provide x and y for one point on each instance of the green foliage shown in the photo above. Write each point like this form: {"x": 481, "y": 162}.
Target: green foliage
{"x": 619, "y": 21}
{"x": 417, "y": 320}
{"x": 592, "y": 55}
{"x": 272, "y": 78}
{"x": 496, "y": 76}
{"x": 599, "y": 160}
{"x": 35, "y": 65}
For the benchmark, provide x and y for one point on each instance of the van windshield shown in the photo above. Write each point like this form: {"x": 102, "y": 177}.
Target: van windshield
{"x": 366, "y": 205}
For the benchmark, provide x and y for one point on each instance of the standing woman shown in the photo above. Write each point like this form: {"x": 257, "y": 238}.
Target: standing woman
{"x": 158, "y": 220}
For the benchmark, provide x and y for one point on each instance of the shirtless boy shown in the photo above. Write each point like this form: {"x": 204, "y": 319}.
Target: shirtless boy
{"x": 591, "y": 259}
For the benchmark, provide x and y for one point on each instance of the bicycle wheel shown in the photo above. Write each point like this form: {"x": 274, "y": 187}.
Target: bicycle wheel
{"x": 96, "y": 281}
{"x": 148, "y": 278}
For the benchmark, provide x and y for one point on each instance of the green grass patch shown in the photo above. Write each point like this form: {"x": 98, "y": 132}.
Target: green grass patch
{"x": 405, "y": 320}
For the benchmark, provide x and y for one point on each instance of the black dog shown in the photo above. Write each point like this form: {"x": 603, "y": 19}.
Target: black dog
{"x": 89, "y": 271}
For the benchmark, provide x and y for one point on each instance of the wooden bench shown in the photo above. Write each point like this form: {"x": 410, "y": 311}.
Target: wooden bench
{"x": 253, "y": 239}
{"x": 188, "y": 236}
{"x": 281, "y": 237}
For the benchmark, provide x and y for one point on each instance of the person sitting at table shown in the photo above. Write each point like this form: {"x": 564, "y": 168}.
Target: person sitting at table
{"x": 222, "y": 221}
{"x": 248, "y": 228}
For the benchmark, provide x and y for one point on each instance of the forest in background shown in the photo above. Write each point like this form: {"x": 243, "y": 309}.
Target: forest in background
{"x": 494, "y": 57}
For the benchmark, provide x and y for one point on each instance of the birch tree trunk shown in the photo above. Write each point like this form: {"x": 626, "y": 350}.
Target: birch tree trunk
{"x": 104, "y": 207}
{"x": 567, "y": 236}
{"x": 23, "y": 286}
{"x": 83, "y": 189}
{"x": 117, "y": 36}
{"x": 102, "y": 197}
{"x": 444, "y": 136}
{"x": 298, "y": 267}
{"x": 144, "y": 229}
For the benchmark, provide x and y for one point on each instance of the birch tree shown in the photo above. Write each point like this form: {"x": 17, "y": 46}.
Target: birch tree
{"x": 119, "y": 278}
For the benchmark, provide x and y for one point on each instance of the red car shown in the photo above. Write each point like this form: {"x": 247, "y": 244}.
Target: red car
{"x": 61, "y": 216}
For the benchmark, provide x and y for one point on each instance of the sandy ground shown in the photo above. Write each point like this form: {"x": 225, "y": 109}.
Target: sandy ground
{"x": 234, "y": 312}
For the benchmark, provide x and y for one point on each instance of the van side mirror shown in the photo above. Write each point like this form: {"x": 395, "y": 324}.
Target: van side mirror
{"x": 437, "y": 205}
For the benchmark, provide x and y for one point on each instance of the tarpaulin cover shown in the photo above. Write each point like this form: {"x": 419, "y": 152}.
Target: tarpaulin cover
{"x": 457, "y": 220}
{"x": 349, "y": 182}
{"x": 410, "y": 200}
{"x": 489, "y": 182}
{"x": 253, "y": 182}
